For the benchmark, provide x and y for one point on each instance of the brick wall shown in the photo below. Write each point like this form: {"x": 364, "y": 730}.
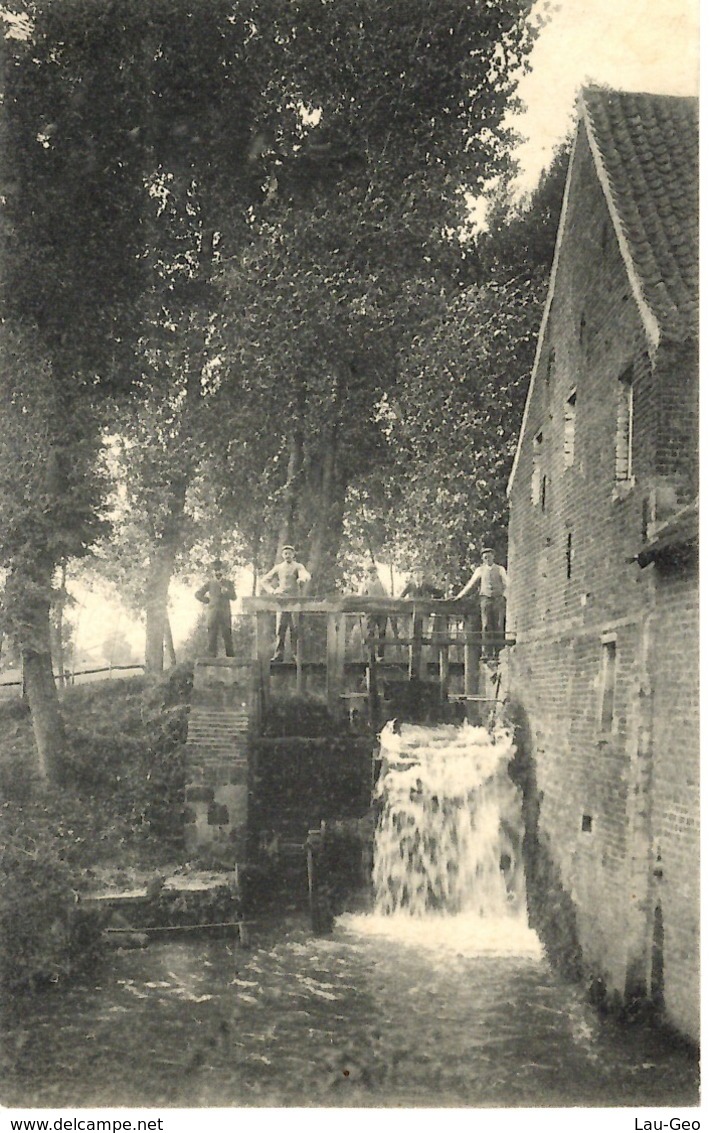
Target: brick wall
{"x": 216, "y": 793}
{"x": 676, "y": 814}
{"x": 575, "y": 590}
{"x": 242, "y": 788}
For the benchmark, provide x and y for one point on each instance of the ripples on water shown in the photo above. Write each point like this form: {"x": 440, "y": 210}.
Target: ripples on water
{"x": 355, "y": 1019}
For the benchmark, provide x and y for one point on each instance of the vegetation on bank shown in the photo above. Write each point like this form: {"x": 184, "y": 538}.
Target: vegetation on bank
{"x": 118, "y": 813}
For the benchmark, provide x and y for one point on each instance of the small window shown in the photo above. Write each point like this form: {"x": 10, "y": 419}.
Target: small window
{"x": 625, "y": 427}
{"x": 550, "y": 366}
{"x": 583, "y": 331}
{"x": 570, "y": 425}
{"x": 569, "y": 554}
{"x": 536, "y": 484}
{"x": 608, "y": 686}
{"x": 586, "y": 824}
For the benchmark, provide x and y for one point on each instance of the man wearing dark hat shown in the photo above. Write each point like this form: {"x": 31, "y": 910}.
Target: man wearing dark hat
{"x": 216, "y": 594}
{"x": 287, "y": 577}
{"x": 492, "y": 581}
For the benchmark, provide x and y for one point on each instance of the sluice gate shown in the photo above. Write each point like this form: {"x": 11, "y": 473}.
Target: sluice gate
{"x": 277, "y": 747}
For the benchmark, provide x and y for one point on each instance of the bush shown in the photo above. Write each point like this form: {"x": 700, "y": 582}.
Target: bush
{"x": 38, "y": 938}
{"x": 127, "y": 749}
{"x": 121, "y": 802}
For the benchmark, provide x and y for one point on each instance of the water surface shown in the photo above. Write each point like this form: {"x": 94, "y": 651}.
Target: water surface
{"x": 362, "y": 1018}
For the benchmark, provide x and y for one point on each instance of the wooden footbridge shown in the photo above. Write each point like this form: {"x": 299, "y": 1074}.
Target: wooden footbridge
{"x": 367, "y": 655}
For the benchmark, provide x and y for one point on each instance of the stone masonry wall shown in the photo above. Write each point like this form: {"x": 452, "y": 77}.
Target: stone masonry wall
{"x": 216, "y": 794}
{"x": 676, "y": 812}
{"x": 577, "y": 597}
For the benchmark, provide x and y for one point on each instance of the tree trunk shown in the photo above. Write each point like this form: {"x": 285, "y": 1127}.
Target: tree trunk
{"x": 324, "y": 517}
{"x": 255, "y": 545}
{"x": 47, "y": 723}
{"x": 160, "y": 571}
{"x": 28, "y": 600}
{"x": 59, "y": 666}
{"x": 169, "y": 644}
{"x": 290, "y": 497}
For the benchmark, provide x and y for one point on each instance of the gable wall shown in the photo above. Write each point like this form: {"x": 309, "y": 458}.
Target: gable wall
{"x": 583, "y": 775}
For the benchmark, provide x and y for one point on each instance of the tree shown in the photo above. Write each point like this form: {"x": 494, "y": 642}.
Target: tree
{"x": 153, "y": 150}
{"x": 115, "y": 116}
{"x": 71, "y": 276}
{"x": 50, "y": 495}
{"x": 453, "y": 421}
{"x": 309, "y": 236}
{"x": 454, "y": 436}
{"x": 392, "y": 111}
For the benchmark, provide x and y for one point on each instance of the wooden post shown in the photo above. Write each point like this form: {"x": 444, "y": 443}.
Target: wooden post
{"x": 443, "y": 658}
{"x": 321, "y": 917}
{"x": 263, "y": 645}
{"x": 415, "y": 646}
{"x": 298, "y": 652}
{"x": 335, "y": 663}
{"x": 470, "y": 660}
{"x": 373, "y": 692}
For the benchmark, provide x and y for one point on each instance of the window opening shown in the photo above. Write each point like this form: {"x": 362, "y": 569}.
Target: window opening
{"x": 536, "y": 489}
{"x": 625, "y": 426}
{"x": 569, "y": 554}
{"x": 608, "y": 686}
{"x": 550, "y": 366}
{"x": 570, "y": 425}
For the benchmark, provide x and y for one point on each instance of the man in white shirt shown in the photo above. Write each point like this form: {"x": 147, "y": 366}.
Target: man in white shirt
{"x": 287, "y": 577}
{"x": 492, "y": 582}
{"x": 376, "y": 623}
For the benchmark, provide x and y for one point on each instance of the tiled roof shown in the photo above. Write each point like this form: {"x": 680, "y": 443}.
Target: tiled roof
{"x": 648, "y": 145}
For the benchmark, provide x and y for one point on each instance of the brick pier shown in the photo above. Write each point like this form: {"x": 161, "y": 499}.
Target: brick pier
{"x": 216, "y": 793}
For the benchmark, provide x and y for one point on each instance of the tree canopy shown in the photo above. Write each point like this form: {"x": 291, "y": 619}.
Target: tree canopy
{"x": 232, "y": 244}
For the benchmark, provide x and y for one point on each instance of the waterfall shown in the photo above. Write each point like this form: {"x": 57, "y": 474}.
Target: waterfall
{"x": 450, "y": 829}
{"x": 448, "y": 845}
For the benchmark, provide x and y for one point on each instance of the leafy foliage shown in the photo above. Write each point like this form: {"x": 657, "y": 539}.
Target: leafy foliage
{"x": 452, "y": 421}
{"x": 35, "y": 899}
{"x": 50, "y": 481}
{"x": 242, "y": 236}
{"x": 466, "y": 378}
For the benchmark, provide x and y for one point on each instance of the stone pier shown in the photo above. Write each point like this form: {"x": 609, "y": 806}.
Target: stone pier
{"x": 217, "y": 772}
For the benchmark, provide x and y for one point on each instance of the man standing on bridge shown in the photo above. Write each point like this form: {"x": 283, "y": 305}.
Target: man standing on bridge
{"x": 492, "y": 581}
{"x": 287, "y": 577}
{"x": 217, "y": 594}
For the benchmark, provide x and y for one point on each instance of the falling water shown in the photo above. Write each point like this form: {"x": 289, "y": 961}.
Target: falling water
{"x": 448, "y": 847}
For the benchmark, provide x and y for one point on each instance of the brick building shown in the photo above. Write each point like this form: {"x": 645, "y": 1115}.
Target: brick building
{"x": 603, "y": 562}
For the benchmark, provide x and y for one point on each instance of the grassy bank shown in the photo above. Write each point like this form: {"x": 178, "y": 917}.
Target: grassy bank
{"x": 116, "y": 815}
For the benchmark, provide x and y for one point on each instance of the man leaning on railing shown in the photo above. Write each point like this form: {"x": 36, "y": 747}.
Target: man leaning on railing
{"x": 287, "y": 577}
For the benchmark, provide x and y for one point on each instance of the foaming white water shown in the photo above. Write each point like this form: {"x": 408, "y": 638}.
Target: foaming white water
{"x": 447, "y": 857}
{"x": 467, "y": 934}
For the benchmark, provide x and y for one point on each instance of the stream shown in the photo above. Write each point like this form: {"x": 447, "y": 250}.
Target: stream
{"x": 361, "y": 1018}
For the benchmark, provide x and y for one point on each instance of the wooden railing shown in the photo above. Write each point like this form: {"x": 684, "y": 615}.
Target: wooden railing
{"x": 425, "y": 639}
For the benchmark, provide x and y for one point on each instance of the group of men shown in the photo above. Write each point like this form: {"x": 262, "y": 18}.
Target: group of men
{"x": 289, "y": 578}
